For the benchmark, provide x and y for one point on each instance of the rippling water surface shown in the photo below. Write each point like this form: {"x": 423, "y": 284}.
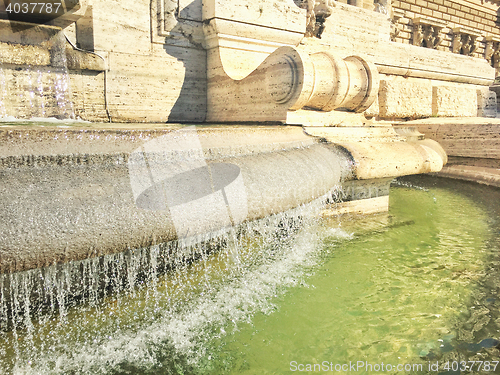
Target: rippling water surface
{"x": 417, "y": 286}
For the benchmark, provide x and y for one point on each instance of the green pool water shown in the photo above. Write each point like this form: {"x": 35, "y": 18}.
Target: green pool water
{"x": 416, "y": 287}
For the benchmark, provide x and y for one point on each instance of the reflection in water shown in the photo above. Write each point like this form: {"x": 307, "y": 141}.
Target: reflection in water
{"x": 417, "y": 286}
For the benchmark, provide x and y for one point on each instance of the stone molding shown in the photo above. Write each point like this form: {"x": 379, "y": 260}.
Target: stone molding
{"x": 166, "y": 15}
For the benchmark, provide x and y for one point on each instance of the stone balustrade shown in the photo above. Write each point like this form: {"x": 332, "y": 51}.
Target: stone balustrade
{"x": 465, "y": 41}
{"x": 427, "y": 32}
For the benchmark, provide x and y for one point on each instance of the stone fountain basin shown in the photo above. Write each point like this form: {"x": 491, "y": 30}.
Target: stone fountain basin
{"x": 85, "y": 190}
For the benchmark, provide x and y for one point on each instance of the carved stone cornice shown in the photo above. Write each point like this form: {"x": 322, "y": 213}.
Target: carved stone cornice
{"x": 427, "y": 32}
{"x": 465, "y": 41}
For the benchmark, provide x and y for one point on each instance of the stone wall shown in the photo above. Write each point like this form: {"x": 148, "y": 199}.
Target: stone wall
{"x": 154, "y": 54}
{"x": 156, "y": 68}
{"x": 410, "y": 98}
{"x": 352, "y": 29}
{"x": 480, "y": 17}
{"x": 416, "y": 82}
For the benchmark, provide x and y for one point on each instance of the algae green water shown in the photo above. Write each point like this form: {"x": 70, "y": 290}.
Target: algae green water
{"x": 392, "y": 293}
{"x": 416, "y": 287}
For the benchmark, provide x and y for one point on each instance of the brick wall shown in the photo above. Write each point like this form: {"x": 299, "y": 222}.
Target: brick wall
{"x": 481, "y": 18}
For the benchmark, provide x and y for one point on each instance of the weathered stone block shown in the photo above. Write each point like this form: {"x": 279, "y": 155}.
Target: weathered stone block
{"x": 87, "y": 89}
{"x": 454, "y": 101}
{"x": 373, "y": 110}
{"x": 158, "y": 88}
{"x": 468, "y": 138}
{"x": 129, "y": 23}
{"x": 401, "y": 98}
{"x": 486, "y": 103}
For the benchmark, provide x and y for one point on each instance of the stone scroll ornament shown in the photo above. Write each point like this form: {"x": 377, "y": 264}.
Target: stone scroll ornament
{"x": 283, "y": 85}
{"x": 291, "y": 79}
{"x": 317, "y": 13}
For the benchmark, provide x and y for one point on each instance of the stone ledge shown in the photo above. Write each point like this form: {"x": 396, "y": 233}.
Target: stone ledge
{"x": 482, "y": 175}
{"x": 72, "y": 193}
{"x": 86, "y": 190}
{"x": 380, "y": 152}
{"x": 81, "y": 138}
{"x": 359, "y": 207}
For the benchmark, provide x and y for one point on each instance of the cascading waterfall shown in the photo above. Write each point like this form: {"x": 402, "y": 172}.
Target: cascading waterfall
{"x": 127, "y": 311}
{"x": 408, "y": 287}
{"x": 33, "y": 91}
